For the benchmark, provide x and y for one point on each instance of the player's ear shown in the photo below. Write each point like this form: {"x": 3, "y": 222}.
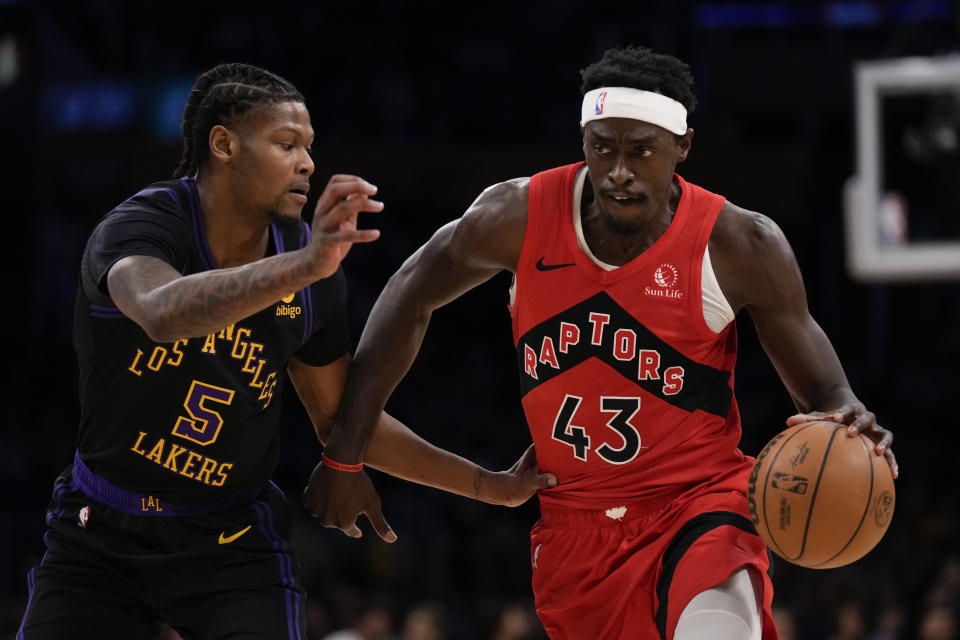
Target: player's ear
{"x": 684, "y": 143}
{"x": 222, "y": 143}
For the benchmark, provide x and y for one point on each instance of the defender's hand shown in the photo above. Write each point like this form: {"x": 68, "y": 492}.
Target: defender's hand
{"x": 334, "y": 228}
{"x": 858, "y": 420}
{"x": 514, "y": 486}
{"x": 337, "y": 498}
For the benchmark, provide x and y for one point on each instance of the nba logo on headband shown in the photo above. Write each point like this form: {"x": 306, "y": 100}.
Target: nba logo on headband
{"x": 636, "y": 104}
{"x": 598, "y": 108}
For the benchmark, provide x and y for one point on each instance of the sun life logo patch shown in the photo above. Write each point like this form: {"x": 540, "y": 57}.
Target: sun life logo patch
{"x": 666, "y": 275}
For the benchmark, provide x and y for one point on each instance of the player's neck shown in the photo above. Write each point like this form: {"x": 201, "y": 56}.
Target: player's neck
{"x": 235, "y": 234}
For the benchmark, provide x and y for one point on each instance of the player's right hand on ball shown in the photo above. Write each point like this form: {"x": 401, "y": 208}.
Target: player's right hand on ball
{"x": 334, "y": 228}
{"x": 337, "y": 498}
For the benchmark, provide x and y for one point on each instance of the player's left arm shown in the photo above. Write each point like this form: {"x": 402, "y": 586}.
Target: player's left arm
{"x": 763, "y": 276}
{"x": 397, "y": 450}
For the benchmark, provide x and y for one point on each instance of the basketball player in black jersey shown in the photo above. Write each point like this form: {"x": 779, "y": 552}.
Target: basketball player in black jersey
{"x": 195, "y": 296}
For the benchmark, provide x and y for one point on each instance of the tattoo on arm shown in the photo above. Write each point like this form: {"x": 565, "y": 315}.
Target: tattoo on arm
{"x": 202, "y": 303}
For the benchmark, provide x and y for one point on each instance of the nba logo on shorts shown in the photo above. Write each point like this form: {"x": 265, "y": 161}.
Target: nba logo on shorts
{"x": 598, "y": 108}
{"x": 83, "y": 517}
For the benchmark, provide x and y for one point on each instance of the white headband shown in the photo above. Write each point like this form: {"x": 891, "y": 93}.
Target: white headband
{"x": 621, "y": 102}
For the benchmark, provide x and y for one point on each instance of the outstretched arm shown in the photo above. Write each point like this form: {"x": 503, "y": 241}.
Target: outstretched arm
{"x": 461, "y": 255}
{"x": 169, "y": 306}
{"x": 396, "y": 450}
{"x": 759, "y": 271}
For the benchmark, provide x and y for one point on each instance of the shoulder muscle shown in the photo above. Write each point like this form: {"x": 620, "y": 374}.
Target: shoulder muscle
{"x": 754, "y": 263}
{"x": 490, "y": 233}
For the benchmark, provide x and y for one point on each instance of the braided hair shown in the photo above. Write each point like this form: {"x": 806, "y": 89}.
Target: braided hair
{"x": 224, "y": 95}
{"x": 641, "y": 68}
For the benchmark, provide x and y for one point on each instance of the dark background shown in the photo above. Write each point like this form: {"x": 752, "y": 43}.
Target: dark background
{"x": 433, "y": 104}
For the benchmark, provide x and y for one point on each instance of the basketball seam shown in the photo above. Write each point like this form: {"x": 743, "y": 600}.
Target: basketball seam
{"x": 816, "y": 489}
{"x": 866, "y": 510}
{"x": 766, "y": 487}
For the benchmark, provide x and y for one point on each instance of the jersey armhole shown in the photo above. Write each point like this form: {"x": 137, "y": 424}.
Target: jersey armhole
{"x": 524, "y": 261}
{"x": 696, "y": 271}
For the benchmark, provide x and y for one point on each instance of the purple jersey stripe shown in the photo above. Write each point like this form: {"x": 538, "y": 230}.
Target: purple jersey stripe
{"x": 57, "y": 509}
{"x": 168, "y": 190}
{"x": 139, "y": 504}
{"x": 199, "y": 231}
{"x": 111, "y": 316}
{"x": 291, "y": 597}
{"x": 307, "y": 298}
{"x": 307, "y": 314}
{"x": 277, "y": 239}
{"x": 31, "y": 585}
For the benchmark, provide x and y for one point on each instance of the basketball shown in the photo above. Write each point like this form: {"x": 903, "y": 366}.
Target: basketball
{"x": 820, "y": 498}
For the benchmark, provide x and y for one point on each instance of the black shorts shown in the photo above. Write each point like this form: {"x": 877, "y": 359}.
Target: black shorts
{"x": 111, "y": 574}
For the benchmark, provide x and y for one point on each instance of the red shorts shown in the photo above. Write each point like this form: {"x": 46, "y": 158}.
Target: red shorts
{"x": 595, "y": 576}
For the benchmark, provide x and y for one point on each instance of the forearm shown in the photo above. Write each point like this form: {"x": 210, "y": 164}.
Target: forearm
{"x": 396, "y": 450}
{"x": 809, "y": 367}
{"x": 460, "y": 256}
{"x": 387, "y": 348}
{"x": 202, "y": 303}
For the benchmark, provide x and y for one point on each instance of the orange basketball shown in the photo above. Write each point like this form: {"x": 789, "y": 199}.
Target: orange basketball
{"x": 820, "y": 498}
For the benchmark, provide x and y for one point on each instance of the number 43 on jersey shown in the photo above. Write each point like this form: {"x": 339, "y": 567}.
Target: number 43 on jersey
{"x": 623, "y": 410}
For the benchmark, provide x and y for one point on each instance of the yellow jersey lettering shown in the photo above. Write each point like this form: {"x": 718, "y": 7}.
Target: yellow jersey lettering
{"x": 258, "y": 384}
{"x": 150, "y": 504}
{"x": 192, "y": 456}
{"x": 226, "y": 333}
{"x": 196, "y": 466}
{"x": 175, "y": 362}
{"x": 255, "y": 348}
{"x": 208, "y": 467}
{"x": 135, "y": 448}
{"x": 267, "y": 393}
{"x": 156, "y": 454}
{"x": 175, "y": 450}
{"x": 222, "y": 474}
{"x": 209, "y": 344}
{"x": 239, "y": 342}
{"x": 133, "y": 365}
{"x": 156, "y": 358}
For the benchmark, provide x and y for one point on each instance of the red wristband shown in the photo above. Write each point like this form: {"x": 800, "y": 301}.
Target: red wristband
{"x": 339, "y": 466}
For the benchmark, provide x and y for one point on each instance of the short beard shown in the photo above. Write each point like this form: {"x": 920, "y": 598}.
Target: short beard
{"x": 621, "y": 227}
{"x": 285, "y": 222}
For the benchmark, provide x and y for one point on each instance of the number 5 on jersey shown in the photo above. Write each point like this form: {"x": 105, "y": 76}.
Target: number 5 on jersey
{"x": 203, "y": 425}
{"x": 623, "y": 410}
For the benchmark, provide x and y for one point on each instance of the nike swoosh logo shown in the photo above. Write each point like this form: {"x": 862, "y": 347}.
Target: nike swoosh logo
{"x": 549, "y": 267}
{"x": 228, "y": 539}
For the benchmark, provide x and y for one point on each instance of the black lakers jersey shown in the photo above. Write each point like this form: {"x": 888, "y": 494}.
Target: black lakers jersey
{"x": 193, "y": 421}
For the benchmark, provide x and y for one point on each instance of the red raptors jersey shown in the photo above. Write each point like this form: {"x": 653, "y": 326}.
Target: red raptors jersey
{"x": 628, "y": 393}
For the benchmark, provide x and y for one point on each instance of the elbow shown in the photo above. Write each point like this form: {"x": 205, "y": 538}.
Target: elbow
{"x": 159, "y": 329}
{"x": 400, "y": 291}
{"x": 323, "y": 427}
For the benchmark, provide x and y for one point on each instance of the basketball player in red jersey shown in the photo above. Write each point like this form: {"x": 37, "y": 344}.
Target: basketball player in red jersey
{"x": 627, "y": 282}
